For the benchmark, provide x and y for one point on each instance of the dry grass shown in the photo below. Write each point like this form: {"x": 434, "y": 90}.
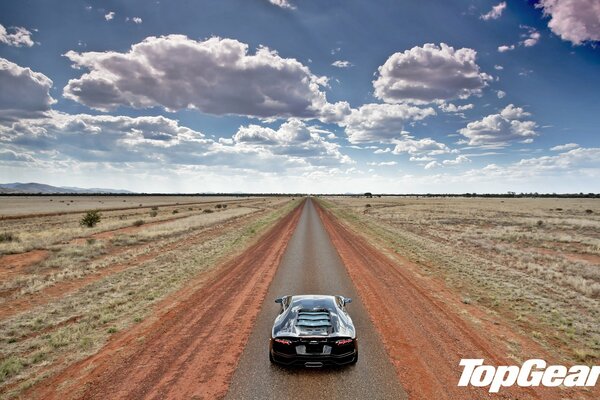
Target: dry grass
{"x": 43, "y": 340}
{"x": 533, "y": 262}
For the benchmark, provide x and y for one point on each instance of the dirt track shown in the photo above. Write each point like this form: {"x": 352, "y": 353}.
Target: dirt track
{"x": 413, "y": 331}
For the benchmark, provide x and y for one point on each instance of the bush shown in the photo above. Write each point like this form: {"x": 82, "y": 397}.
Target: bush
{"x": 91, "y": 218}
{"x": 367, "y": 205}
{"x": 154, "y": 208}
{"x": 219, "y": 206}
{"x": 224, "y": 205}
{"x": 540, "y": 223}
{"x": 6, "y": 237}
{"x": 153, "y": 213}
{"x": 139, "y": 222}
{"x": 208, "y": 211}
{"x": 175, "y": 211}
{"x": 588, "y": 211}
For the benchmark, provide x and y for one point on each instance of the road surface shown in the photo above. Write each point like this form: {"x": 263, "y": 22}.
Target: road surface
{"x": 311, "y": 265}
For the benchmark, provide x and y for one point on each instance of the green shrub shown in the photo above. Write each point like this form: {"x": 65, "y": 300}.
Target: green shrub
{"x": 6, "y": 237}
{"x": 139, "y": 222}
{"x": 9, "y": 367}
{"x": 208, "y": 211}
{"x": 175, "y": 211}
{"x": 91, "y": 218}
{"x": 153, "y": 213}
{"x": 219, "y": 206}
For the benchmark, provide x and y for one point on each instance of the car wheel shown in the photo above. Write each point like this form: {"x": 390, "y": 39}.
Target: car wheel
{"x": 355, "y": 359}
{"x": 271, "y": 358}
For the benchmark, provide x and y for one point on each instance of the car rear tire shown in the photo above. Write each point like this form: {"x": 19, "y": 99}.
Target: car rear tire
{"x": 271, "y": 358}
{"x": 355, "y": 359}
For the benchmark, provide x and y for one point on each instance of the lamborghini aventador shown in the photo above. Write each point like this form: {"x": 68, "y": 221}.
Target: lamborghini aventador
{"x": 313, "y": 331}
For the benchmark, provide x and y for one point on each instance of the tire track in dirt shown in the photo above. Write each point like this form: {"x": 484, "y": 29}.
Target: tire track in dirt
{"x": 424, "y": 337}
{"x": 191, "y": 347}
{"x": 25, "y": 302}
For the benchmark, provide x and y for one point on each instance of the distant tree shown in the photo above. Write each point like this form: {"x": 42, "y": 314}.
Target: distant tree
{"x": 91, "y": 218}
{"x": 368, "y": 195}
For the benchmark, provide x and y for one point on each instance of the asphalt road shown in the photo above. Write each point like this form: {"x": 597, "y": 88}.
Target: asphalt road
{"x": 311, "y": 265}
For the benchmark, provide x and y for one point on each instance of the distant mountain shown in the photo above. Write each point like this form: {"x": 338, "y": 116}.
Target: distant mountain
{"x": 40, "y": 188}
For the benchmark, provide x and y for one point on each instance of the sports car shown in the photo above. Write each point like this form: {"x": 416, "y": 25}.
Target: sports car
{"x": 313, "y": 331}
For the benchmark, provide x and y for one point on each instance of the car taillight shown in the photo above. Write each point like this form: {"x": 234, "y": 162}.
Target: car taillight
{"x": 283, "y": 341}
{"x": 342, "y": 342}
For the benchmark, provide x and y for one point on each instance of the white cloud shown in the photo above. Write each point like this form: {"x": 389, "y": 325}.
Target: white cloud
{"x": 382, "y": 151}
{"x": 453, "y": 108}
{"x": 420, "y": 147}
{"x": 430, "y": 73}
{"x": 461, "y": 159}
{"x": 566, "y": 146}
{"x": 531, "y": 38}
{"x": 576, "y": 158}
{"x": 342, "y": 64}
{"x": 495, "y": 12}
{"x": 381, "y": 122}
{"x": 421, "y": 158}
{"x": 135, "y": 20}
{"x": 500, "y": 129}
{"x": 216, "y": 76}
{"x": 504, "y": 48}
{"x": 293, "y": 139}
{"x": 283, "y": 4}
{"x": 24, "y": 93}
{"x": 109, "y": 16}
{"x": 10, "y": 155}
{"x": 121, "y": 139}
{"x": 498, "y": 67}
{"x": 432, "y": 165}
{"x": 500, "y": 94}
{"x": 577, "y": 21}
{"x": 382, "y": 164}
{"x": 18, "y": 38}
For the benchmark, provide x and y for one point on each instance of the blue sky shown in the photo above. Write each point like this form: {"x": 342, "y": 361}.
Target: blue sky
{"x": 302, "y": 95}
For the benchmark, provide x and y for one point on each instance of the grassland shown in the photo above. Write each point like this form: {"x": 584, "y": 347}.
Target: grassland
{"x": 533, "y": 264}
{"x": 91, "y": 283}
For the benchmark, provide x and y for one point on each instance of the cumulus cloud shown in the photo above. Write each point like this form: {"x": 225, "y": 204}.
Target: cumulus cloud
{"x": 109, "y": 16}
{"x": 342, "y": 64}
{"x": 461, "y": 159}
{"x": 453, "y": 108}
{"x": 382, "y": 164}
{"x": 18, "y": 36}
{"x": 420, "y": 147}
{"x": 504, "y": 48}
{"x": 566, "y": 146}
{"x": 283, "y": 4}
{"x": 293, "y": 139}
{"x": 500, "y": 129}
{"x": 216, "y": 76}
{"x": 430, "y": 73}
{"x": 432, "y": 165}
{"x": 381, "y": 122}
{"x": 498, "y": 67}
{"x": 495, "y": 12}
{"x": 576, "y": 158}
{"x": 577, "y": 21}
{"x": 10, "y": 155}
{"x": 24, "y": 94}
{"x": 501, "y": 94}
{"x": 531, "y": 38}
{"x": 163, "y": 141}
{"x": 135, "y": 20}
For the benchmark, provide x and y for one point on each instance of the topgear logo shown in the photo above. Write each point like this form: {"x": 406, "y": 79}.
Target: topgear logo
{"x": 532, "y": 373}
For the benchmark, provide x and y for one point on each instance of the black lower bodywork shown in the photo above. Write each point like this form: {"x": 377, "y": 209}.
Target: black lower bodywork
{"x": 318, "y": 352}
